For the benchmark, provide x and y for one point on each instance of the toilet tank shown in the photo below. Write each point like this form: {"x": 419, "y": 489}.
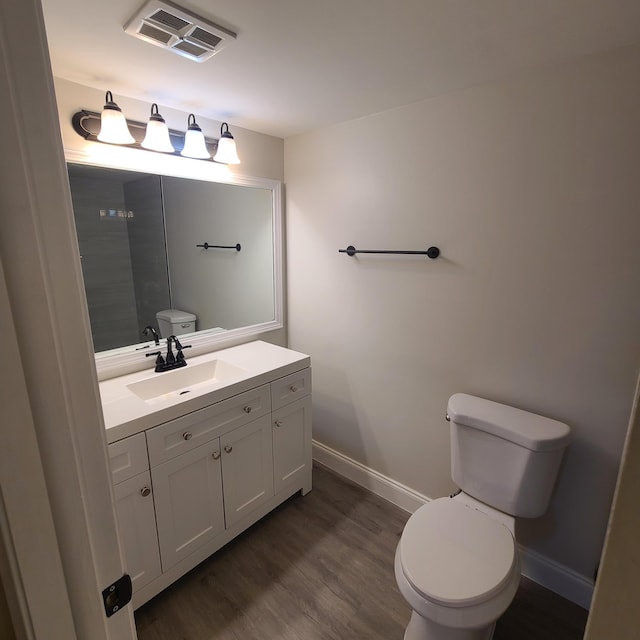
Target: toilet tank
{"x": 503, "y": 456}
{"x": 174, "y": 322}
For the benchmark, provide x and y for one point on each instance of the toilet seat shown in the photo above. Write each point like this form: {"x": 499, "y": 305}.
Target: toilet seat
{"x": 455, "y": 556}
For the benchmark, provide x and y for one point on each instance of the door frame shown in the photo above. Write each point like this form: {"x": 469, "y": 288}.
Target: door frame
{"x": 53, "y": 367}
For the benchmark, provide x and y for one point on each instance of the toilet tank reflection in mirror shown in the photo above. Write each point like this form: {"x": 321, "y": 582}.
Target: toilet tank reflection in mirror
{"x": 137, "y": 236}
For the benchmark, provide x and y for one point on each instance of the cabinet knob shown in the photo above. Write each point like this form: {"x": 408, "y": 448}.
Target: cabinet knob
{"x": 228, "y": 448}
{"x": 278, "y": 423}
{"x": 187, "y": 435}
{"x": 293, "y": 388}
{"x": 247, "y": 409}
{"x": 215, "y": 455}
{"x": 145, "y": 491}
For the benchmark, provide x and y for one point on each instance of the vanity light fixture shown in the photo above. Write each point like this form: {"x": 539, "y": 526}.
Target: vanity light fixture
{"x": 154, "y": 135}
{"x": 227, "y": 152}
{"x": 194, "y": 144}
{"x": 157, "y": 136}
{"x": 113, "y": 125}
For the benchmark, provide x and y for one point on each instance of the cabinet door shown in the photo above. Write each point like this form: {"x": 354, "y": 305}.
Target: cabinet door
{"x": 247, "y": 468}
{"x": 292, "y": 444}
{"x": 137, "y": 529}
{"x": 188, "y": 498}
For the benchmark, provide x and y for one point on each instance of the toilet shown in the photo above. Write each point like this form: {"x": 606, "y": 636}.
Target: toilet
{"x": 457, "y": 562}
{"x": 173, "y": 322}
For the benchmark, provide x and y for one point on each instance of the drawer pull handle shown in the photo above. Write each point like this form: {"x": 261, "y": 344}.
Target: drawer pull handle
{"x": 278, "y": 423}
{"x": 145, "y": 491}
{"x": 228, "y": 448}
{"x": 247, "y": 409}
{"x": 293, "y": 388}
{"x": 215, "y": 455}
{"x": 187, "y": 435}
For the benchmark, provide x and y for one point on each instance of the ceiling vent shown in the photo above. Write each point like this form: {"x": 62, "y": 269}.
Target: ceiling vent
{"x": 176, "y": 29}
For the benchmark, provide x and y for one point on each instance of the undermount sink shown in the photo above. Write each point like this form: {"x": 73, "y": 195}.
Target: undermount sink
{"x": 171, "y": 384}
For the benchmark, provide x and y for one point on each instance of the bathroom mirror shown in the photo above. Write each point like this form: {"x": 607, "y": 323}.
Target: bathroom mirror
{"x": 210, "y": 248}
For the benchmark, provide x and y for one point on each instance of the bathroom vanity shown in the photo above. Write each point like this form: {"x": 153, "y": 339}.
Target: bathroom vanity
{"x": 200, "y": 453}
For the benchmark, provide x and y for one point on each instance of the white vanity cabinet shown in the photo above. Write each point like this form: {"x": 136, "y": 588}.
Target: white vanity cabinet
{"x": 189, "y": 484}
{"x": 135, "y": 509}
{"x": 208, "y": 483}
{"x": 247, "y": 469}
{"x": 291, "y": 419}
{"x": 189, "y": 503}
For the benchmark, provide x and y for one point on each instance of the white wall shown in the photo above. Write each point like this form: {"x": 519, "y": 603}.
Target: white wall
{"x": 222, "y": 287}
{"x": 530, "y": 188}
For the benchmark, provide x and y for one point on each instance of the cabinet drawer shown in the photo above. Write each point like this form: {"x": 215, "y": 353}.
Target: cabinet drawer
{"x": 128, "y": 458}
{"x": 184, "y": 434}
{"x": 290, "y": 388}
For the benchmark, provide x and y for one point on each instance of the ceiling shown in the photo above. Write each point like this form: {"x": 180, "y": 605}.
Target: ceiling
{"x": 299, "y": 65}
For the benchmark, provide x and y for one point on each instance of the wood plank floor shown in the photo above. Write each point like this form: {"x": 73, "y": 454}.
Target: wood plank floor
{"x": 321, "y": 567}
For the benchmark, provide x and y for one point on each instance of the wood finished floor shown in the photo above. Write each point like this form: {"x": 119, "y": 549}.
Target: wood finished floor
{"x": 321, "y": 567}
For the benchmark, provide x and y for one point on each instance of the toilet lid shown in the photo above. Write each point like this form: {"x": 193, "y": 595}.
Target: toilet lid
{"x": 455, "y": 555}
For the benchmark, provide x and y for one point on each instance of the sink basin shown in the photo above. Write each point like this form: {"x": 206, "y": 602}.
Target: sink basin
{"x": 171, "y": 384}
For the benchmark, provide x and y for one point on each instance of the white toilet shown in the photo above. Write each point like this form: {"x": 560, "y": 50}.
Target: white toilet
{"x": 457, "y": 562}
{"x": 173, "y": 322}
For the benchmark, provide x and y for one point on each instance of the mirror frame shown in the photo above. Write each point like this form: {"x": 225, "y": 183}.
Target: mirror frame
{"x": 130, "y": 358}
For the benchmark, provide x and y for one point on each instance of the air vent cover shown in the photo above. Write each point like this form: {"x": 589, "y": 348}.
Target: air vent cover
{"x": 171, "y": 27}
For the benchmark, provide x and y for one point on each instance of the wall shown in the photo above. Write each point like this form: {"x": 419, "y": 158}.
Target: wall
{"x": 615, "y": 612}
{"x": 106, "y": 261}
{"x": 530, "y": 188}
{"x": 222, "y": 287}
{"x": 148, "y": 252}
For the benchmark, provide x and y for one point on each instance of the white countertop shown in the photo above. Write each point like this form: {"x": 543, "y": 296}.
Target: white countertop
{"x": 126, "y": 414}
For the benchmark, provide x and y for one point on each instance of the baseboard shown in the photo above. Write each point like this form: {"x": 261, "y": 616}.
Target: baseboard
{"x": 548, "y": 573}
{"x": 377, "y": 483}
{"x": 556, "y": 577}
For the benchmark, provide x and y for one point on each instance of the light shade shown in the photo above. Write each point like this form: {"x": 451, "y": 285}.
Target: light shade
{"x": 194, "y": 143}
{"x": 113, "y": 125}
{"x": 157, "y": 136}
{"x": 227, "y": 153}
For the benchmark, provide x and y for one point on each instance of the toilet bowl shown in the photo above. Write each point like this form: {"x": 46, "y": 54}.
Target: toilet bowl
{"x": 457, "y": 562}
{"x": 458, "y": 569}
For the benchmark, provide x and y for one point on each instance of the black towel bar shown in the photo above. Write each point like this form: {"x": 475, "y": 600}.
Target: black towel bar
{"x": 206, "y": 245}
{"x": 431, "y": 252}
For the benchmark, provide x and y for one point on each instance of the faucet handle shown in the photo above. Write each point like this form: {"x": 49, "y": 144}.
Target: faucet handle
{"x": 160, "y": 363}
{"x": 180, "y": 346}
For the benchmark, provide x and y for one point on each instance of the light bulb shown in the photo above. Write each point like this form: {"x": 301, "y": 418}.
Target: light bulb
{"x": 194, "y": 143}
{"x": 113, "y": 124}
{"x": 157, "y": 135}
{"x": 227, "y": 152}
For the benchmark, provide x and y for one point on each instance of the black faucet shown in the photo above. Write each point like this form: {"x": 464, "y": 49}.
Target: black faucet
{"x": 150, "y": 330}
{"x": 180, "y": 361}
{"x": 171, "y": 360}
